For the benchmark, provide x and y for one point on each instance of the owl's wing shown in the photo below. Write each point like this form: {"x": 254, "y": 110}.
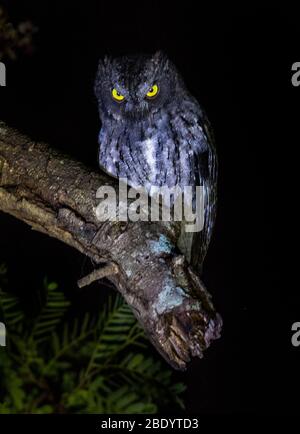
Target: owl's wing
{"x": 205, "y": 166}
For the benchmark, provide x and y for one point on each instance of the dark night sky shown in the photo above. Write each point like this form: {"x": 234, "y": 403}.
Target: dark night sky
{"x": 237, "y": 63}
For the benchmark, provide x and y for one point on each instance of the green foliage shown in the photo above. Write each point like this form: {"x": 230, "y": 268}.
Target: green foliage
{"x": 58, "y": 364}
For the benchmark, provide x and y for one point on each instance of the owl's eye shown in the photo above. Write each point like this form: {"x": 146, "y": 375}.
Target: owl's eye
{"x": 153, "y": 91}
{"x": 117, "y": 96}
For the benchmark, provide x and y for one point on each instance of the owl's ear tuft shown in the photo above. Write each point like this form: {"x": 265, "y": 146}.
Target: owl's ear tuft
{"x": 106, "y": 61}
{"x": 159, "y": 56}
{"x": 103, "y": 64}
{"x": 160, "y": 59}
{"x": 99, "y": 76}
{"x": 100, "y": 68}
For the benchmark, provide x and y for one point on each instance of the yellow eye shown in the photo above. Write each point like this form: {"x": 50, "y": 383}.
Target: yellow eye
{"x": 117, "y": 96}
{"x": 153, "y": 91}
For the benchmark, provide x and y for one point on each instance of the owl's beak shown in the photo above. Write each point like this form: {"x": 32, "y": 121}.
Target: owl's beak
{"x": 136, "y": 111}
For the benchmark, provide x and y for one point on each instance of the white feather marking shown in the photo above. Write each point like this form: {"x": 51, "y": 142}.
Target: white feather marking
{"x": 149, "y": 152}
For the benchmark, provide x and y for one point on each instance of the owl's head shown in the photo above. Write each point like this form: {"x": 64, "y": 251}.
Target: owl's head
{"x": 134, "y": 87}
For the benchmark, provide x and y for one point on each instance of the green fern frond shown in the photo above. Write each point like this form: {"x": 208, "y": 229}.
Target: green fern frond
{"x": 122, "y": 400}
{"x": 11, "y": 310}
{"x": 51, "y": 314}
{"x": 72, "y": 335}
{"x": 138, "y": 370}
{"x": 118, "y": 377}
{"x": 119, "y": 329}
{"x": 125, "y": 401}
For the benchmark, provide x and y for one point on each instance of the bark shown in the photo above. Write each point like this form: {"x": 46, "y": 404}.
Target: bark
{"x": 56, "y": 195}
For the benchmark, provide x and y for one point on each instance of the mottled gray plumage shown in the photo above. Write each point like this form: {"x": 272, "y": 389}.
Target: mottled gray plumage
{"x": 164, "y": 140}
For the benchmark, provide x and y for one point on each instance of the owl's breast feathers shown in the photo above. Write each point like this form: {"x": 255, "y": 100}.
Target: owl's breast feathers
{"x": 157, "y": 151}
{"x": 173, "y": 147}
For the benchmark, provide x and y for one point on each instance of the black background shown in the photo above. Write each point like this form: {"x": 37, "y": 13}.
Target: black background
{"x": 238, "y": 64}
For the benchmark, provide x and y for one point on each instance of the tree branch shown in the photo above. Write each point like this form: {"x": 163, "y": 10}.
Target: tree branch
{"x": 56, "y": 195}
{"x": 98, "y": 274}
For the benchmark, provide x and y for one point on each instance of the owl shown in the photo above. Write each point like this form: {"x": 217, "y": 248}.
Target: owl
{"x": 155, "y": 134}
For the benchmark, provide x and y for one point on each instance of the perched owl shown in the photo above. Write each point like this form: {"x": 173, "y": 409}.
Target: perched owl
{"x": 154, "y": 133}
